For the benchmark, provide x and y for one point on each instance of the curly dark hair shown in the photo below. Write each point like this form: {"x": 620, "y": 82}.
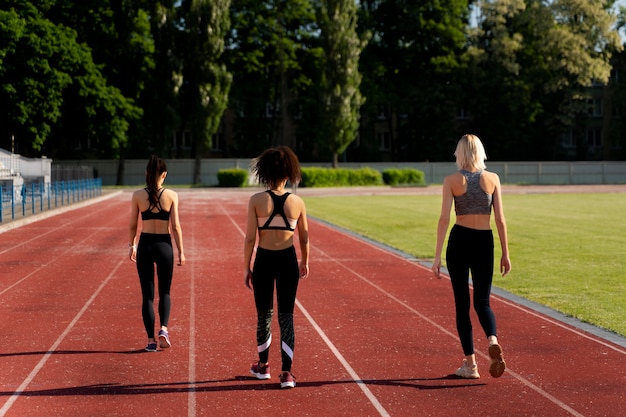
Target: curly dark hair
{"x": 276, "y": 164}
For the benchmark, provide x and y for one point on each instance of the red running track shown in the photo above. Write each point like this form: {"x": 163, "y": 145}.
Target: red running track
{"x": 375, "y": 333}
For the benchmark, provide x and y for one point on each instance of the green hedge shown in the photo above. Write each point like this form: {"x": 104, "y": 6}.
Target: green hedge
{"x": 403, "y": 176}
{"x": 232, "y": 177}
{"x": 340, "y": 177}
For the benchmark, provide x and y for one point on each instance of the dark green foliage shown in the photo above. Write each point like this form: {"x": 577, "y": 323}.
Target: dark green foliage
{"x": 232, "y": 177}
{"x": 403, "y": 176}
{"x": 340, "y": 177}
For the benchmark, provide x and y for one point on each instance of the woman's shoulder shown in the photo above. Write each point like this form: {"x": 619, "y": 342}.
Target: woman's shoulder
{"x": 491, "y": 175}
{"x": 258, "y": 197}
{"x": 295, "y": 198}
{"x": 140, "y": 193}
{"x": 454, "y": 177}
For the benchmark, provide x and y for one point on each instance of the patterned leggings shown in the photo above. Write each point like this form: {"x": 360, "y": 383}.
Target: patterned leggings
{"x": 280, "y": 266}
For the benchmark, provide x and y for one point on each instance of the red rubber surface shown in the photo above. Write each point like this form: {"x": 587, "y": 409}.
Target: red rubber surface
{"x": 375, "y": 333}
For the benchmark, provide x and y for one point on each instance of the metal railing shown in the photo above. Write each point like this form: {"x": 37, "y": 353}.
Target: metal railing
{"x": 37, "y": 197}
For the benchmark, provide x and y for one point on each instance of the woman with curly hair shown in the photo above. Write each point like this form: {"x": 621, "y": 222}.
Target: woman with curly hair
{"x": 274, "y": 216}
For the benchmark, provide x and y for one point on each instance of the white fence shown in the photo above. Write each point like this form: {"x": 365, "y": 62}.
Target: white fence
{"x": 180, "y": 171}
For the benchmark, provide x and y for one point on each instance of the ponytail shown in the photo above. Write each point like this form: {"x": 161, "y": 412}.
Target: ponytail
{"x": 156, "y": 166}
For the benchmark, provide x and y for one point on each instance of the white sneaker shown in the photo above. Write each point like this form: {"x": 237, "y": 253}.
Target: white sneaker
{"x": 468, "y": 371}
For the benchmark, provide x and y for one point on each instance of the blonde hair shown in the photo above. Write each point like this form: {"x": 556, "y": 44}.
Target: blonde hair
{"x": 470, "y": 153}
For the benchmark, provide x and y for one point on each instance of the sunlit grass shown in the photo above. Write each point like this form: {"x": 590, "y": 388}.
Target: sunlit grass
{"x": 568, "y": 251}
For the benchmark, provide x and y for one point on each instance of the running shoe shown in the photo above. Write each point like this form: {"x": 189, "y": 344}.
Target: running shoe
{"x": 287, "y": 380}
{"x": 151, "y": 347}
{"x": 468, "y": 371}
{"x": 497, "y": 366}
{"x": 260, "y": 372}
{"x": 164, "y": 339}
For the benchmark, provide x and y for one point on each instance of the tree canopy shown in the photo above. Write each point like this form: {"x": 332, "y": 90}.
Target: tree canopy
{"x": 366, "y": 80}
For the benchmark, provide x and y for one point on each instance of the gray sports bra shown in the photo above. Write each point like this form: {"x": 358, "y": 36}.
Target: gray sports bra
{"x": 475, "y": 200}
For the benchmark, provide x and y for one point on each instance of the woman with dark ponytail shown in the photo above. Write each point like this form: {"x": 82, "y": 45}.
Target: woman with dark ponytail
{"x": 158, "y": 208}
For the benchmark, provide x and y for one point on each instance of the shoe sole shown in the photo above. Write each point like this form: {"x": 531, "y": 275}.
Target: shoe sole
{"x": 164, "y": 342}
{"x": 497, "y": 367}
{"x": 260, "y": 376}
{"x": 289, "y": 384}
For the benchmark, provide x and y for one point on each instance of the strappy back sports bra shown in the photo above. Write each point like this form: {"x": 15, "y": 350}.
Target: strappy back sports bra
{"x": 155, "y": 215}
{"x": 278, "y": 212}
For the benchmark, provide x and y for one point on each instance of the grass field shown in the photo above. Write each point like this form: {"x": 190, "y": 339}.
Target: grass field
{"x": 568, "y": 251}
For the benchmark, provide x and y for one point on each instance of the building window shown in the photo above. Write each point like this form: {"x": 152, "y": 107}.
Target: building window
{"x": 594, "y": 107}
{"x": 567, "y": 140}
{"x": 382, "y": 111}
{"x": 217, "y": 142}
{"x": 384, "y": 141}
{"x": 462, "y": 113}
{"x": 271, "y": 111}
{"x": 617, "y": 110}
{"x": 182, "y": 140}
{"x": 594, "y": 138}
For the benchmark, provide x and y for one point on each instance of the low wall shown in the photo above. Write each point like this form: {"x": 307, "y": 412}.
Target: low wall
{"x": 180, "y": 171}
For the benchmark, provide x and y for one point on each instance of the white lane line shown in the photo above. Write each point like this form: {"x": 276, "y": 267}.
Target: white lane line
{"x": 191, "y": 398}
{"x": 52, "y": 260}
{"x": 355, "y": 377}
{"x": 42, "y": 235}
{"x": 557, "y": 323}
{"x": 14, "y": 224}
{"x": 529, "y": 310}
{"x": 517, "y": 376}
{"x": 7, "y": 405}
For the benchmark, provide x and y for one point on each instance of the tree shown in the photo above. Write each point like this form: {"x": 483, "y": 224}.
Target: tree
{"x": 413, "y": 71}
{"x": 206, "y": 81}
{"x": 273, "y": 52}
{"x": 159, "y": 99}
{"x": 43, "y": 69}
{"x": 535, "y": 62}
{"x": 341, "y": 79}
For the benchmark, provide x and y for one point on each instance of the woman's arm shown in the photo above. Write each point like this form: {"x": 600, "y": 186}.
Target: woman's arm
{"x": 249, "y": 241}
{"x": 498, "y": 211}
{"x": 303, "y": 236}
{"x": 442, "y": 225}
{"x": 132, "y": 228}
{"x": 176, "y": 228}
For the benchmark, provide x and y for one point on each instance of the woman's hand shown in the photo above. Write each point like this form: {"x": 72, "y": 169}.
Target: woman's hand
{"x": 436, "y": 268}
{"x": 247, "y": 279}
{"x": 132, "y": 253}
{"x": 505, "y": 265}
{"x": 304, "y": 271}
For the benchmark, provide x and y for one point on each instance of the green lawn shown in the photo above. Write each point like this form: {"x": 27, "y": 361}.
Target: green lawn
{"x": 568, "y": 251}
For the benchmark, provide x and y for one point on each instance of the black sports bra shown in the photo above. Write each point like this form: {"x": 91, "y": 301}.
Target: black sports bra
{"x": 273, "y": 221}
{"x": 155, "y": 215}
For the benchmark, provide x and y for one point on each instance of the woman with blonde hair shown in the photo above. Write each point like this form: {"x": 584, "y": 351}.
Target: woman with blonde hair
{"x": 158, "y": 208}
{"x": 475, "y": 193}
{"x": 274, "y": 215}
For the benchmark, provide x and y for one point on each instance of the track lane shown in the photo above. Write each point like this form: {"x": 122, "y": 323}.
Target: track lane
{"x": 390, "y": 322}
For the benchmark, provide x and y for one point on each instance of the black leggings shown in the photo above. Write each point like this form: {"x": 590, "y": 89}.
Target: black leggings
{"x": 155, "y": 249}
{"x": 471, "y": 250}
{"x": 280, "y": 266}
